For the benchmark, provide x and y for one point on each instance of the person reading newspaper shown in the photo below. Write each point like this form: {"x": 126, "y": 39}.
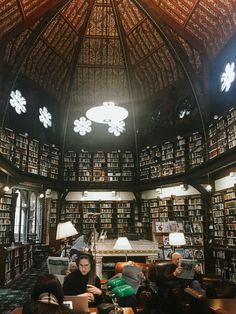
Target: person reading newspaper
{"x": 174, "y": 284}
{"x": 182, "y": 273}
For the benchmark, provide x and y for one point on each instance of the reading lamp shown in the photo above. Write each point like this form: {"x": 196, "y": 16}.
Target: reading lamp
{"x": 176, "y": 239}
{"x": 65, "y": 230}
{"x": 122, "y": 244}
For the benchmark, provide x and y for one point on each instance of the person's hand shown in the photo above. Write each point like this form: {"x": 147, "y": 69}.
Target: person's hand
{"x": 67, "y": 272}
{"x": 178, "y": 271}
{"x": 94, "y": 290}
{"x": 89, "y": 295}
{"x": 198, "y": 269}
{"x": 141, "y": 275}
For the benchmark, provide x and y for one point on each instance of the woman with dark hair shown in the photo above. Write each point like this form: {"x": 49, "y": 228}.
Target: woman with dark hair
{"x": 84, "y": 280}
{"x": 46, "y": 297}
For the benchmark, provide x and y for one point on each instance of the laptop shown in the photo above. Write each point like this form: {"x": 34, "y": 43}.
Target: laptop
{"x": 79, "y": 302}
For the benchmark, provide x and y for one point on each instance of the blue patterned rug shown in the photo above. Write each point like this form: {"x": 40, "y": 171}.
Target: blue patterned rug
{"x": 19, "y": 291}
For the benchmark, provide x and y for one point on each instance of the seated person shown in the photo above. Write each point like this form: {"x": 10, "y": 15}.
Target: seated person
{"x": 173, "y": 270}
{"x": 174, "y": 286}
{"x": 84, "y": 280}
{"x": 47, "y": 297}
{"x": 134, "y": 277}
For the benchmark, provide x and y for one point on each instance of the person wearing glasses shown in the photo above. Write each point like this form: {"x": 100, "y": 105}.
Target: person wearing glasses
{"x": 84, "y": 280}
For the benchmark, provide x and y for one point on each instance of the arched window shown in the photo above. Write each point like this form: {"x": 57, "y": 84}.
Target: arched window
{"x": 17, "y": 216}
{"x": 20, "y": 223}
{"x": 38, "y": 221}
{"x": 32, "y": 218}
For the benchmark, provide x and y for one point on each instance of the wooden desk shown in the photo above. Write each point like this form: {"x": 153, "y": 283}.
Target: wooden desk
{"x": 224, "y": 304}
{"x": 127, "y": 310}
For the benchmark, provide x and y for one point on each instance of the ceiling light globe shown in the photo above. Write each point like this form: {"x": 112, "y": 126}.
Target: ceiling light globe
{"x": 208, "y": 188}
{"x": 107, "y": 113}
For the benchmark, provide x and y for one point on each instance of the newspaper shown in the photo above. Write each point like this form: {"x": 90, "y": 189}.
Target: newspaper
{"x": 132, "y": 275}
{"x": 188, "y": 266}
{"x": 58, "y": 265}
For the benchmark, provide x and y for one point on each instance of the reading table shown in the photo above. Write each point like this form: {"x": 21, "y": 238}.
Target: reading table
{"x": 224, "y": 304}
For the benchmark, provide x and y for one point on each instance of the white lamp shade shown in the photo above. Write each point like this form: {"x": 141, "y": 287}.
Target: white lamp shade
{"x": 177, "y": 238}
{"x": 65, "y": 230}
{"x": 122, "y": 243}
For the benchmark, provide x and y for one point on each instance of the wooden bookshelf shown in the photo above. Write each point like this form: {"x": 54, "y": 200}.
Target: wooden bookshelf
{"x": 85, "y": 168}
{"x": 14, "y": 261}
{"x": 178, "y": 214}
{"x": 6, "y": 225}
{"x": 196, "y": 150}
{"x": 70, "y": 166}
{"x": 224, "y": 236}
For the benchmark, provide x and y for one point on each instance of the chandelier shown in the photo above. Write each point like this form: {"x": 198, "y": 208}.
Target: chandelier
{"x": 108, "y": 113}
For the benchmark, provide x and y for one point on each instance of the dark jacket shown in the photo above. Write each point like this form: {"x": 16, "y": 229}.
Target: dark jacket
{"x": 175, "y": 282}
{"x": 76, "y": 283}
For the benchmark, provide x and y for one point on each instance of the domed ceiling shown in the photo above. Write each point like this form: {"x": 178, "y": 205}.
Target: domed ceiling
{"x": 144, "y": 55}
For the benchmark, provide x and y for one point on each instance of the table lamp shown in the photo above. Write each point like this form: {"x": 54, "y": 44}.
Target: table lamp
{"x": 176, "y": 239}
{"x": 65, "y": 230}
{"x": 122, "y": 244}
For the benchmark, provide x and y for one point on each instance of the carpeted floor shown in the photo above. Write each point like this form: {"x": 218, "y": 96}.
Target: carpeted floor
{"x": 19, "y": 291}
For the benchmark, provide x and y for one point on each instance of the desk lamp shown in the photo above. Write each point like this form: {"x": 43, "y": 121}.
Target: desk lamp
{"x": 176, "y": 239}
{"x": 122, "y": 244}
{"x": 65, "y": 230}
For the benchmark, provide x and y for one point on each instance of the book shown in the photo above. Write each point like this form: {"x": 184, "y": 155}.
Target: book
{"x": 188, "y": 240}
{"x": 159, "y": 227}
{"x": 188, "y": 227}
{"x": 198, "y": 253}
{"x": 166, "y": 240}
{"x": 167, "y": 253}
{"x": 172, "y": 226}
{"x": 197, "y": 240}
{"x": 180, "y": 226}
{"x": 160, "y": 254}
{"x": 197, "y": 227}
{"x": 188, "y": 266}
{"x": 188, "y": 253}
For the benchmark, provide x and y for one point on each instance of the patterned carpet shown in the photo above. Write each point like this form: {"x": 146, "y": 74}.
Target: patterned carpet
{"x": 19, "y": 291}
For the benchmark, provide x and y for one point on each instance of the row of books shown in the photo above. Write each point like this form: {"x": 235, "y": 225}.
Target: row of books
{"x": 183, "y": 226}
{"x": 166, "y": 252}
{"x": 190, "y": 240}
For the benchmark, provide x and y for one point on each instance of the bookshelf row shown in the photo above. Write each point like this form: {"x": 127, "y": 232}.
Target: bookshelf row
{"x": 99, "y": 166}
{"x": 185, "y": 214}
{"x": 114, "y": 217}
{"x": 169, "y": 158}
{"x": 14, "y": 261}
{"x": 222, "y": 229}
{"x": 6, "y": 225}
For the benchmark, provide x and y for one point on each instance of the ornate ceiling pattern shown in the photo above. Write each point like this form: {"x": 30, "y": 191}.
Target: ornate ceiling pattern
{"x": 101, "y": 49}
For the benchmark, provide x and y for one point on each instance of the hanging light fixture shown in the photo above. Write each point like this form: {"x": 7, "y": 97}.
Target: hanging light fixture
{"x": 208, "y": 186}
{"x": 107, "y": 113}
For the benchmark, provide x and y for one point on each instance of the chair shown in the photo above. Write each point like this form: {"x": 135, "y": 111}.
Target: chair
{"x": 144, "y": 293}
{"x": 197, "y": 302}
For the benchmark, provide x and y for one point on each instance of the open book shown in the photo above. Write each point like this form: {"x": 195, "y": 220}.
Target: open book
{"x": 188, "y": 266}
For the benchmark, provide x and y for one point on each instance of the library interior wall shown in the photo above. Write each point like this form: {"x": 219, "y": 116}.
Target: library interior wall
{"x": 225, "y": 183}
{"x": 169, "y": 191}
{"x": 100, "y": 195}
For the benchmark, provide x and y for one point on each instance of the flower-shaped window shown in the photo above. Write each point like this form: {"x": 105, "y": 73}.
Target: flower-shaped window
{"x": 18, "y": 102}
{"x": 82, "y": 126}
{"x": 227, "y": 77}
{"x": 45, "y": 117}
